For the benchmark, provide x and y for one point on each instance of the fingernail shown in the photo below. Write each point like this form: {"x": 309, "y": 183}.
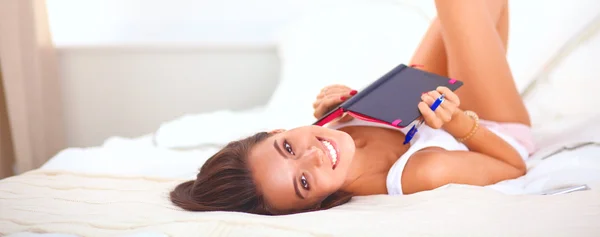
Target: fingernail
{"x": 353, "y": 92}
{"x": 343, "y": 98}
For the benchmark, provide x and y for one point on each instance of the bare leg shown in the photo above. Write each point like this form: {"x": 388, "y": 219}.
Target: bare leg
{"x": 477, "y": 56}
{"x": 433, "y": 55}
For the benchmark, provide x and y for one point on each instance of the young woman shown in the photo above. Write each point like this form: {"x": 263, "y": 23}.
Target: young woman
{"x": 479, "y": 136}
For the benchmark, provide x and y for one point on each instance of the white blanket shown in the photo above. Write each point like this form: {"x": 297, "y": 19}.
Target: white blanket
{"x": 121, "y": 189}
{"x": 102, "y": 205}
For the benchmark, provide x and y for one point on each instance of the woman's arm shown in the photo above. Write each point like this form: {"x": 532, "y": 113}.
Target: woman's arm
{"x": 489, "y": 160}
{"x": 432, "y": 168}
{"x": 484, "y": 141}
{"x": 477, "y": 138}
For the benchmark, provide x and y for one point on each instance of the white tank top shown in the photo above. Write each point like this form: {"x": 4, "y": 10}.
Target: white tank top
{"x": 425, "y": 137}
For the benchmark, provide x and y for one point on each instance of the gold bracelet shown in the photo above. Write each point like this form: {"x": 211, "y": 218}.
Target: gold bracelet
{"x": 474, "y": 116}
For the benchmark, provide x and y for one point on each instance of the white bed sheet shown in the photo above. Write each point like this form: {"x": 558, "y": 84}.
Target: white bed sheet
{"x": 140, "y": 156}
{"x": 122, "y": 156}
{"x": 105, "y": 205}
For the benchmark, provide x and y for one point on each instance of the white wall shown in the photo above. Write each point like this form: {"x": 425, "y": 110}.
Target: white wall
{"x": 127, "y": 91}
{"x": 146, "y": 61}
{"x": 128, "y": 65}
{"x": 75, "y": 22}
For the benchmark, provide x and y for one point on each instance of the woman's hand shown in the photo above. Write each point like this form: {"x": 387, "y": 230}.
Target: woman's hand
{"x": 330, "y": 97}
{"x": 444, "y": 112}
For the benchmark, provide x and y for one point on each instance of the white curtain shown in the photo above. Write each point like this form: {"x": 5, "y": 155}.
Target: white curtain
{"x": 31, "y": 117}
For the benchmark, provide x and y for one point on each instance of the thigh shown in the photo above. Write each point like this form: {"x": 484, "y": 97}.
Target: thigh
{"x": 432, "y": 55}
{"x": 476, "y": 54}
{"x": 431, "y": 52}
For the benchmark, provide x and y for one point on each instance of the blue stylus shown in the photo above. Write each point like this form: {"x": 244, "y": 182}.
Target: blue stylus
{"x": 413, "y": 130}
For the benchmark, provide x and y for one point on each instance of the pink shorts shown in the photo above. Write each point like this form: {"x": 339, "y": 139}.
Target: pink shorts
{"x": 520, "y": 132}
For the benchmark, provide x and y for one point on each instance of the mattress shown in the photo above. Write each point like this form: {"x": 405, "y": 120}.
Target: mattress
{"x": 104, "y": 205}
{"x": 103, "y": 192}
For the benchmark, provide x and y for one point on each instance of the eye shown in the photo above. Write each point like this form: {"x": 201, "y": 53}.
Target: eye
{"x": 288, "y": 147}
{"x": 304, "y": 182}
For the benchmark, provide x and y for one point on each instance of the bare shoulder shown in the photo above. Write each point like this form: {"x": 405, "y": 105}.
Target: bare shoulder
{"x": 425, "y": 170}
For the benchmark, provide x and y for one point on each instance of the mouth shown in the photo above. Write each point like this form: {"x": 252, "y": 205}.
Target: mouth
{"x": 332, "y": 151}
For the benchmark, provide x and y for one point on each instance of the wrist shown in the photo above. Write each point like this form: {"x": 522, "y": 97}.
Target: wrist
{"x": 454, "y": 122}
{"x": 460, "y": 125}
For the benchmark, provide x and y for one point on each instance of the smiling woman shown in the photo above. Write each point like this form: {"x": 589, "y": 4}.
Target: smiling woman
{"x": 478, "y": 136}
{"x": 228, "y": 180}
{"x": 301, "y": 167}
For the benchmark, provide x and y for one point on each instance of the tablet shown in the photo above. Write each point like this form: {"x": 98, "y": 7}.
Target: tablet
{"x": 393, "y": 98}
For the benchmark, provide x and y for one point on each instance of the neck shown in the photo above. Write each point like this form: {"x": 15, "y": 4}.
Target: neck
{"x": 372, "y": 160}
{"x": 357, "y": 169}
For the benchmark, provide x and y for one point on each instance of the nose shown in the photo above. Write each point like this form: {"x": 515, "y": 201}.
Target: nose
{"x": 313, "y": 156}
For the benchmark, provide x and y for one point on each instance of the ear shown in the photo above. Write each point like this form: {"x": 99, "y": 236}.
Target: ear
{"x": 276, "y": 131}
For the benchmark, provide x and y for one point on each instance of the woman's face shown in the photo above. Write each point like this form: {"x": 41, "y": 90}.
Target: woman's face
{"x": 297, "y": 169}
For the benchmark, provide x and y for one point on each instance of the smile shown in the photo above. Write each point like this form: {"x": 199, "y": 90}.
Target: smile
{"x": 332, "y": 151}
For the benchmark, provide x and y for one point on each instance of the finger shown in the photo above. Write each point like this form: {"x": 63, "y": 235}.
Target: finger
{"x": 449, "y": 107}
{"x": 449, "y": 95}
{"x": 328, "y": 103}
{"x": 321, "y": 98}
{"x": 324, "y": 92}
{"x": 317, "y": 115}
{"x": 436, "y": 100}
{"x": 346, "y": 118}
{"x": 425, "y": 97}
{"x": 334, "y": 99}
{"x": 321, "y": 111}
{"x": 443, "y": 114}
{"x": 335, "y": 90}
{"x": 430, "y": 117}
{"x": 434, "y": 94}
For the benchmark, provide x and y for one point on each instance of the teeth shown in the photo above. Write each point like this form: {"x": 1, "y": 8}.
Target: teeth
{"x": 331, "y": 151}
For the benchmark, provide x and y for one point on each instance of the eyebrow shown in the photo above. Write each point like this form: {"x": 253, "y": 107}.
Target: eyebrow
{"x": 297, "y": 189}
{"x": 275, "y": 144}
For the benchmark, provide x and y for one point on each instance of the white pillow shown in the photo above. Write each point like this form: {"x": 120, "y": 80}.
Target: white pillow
{"x": 356, "y": 43}
{"x": 539, "y": 29}
{"x": 352, "y": 45}
{"x": 567, "y": 86}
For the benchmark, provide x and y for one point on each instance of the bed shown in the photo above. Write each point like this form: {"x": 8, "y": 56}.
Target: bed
{"x": 121, "y": 187}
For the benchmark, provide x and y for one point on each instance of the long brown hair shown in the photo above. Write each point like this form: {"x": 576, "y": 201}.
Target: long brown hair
{"x": 225, "y": 183}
